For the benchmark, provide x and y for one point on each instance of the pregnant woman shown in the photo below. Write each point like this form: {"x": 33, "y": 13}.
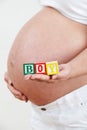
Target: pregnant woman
{"x": 48, "y": 36}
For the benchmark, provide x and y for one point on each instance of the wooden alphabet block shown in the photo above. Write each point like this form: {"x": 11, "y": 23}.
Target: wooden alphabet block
{"x": 28, "y": 68}
{"x": 40, "y": 68}
{"x": 52, "y": 68}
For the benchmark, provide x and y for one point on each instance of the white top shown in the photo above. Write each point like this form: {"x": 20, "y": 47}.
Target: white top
{"x": 73, "y": 9}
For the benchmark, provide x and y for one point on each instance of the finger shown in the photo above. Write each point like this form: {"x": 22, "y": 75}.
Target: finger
{"x": 39, "y": 77}
{"x": 27, "y": 76}
{"x": 18, "y": 94}
{"x": 60, "y": 76}
{"x": 56, "y": 77}
{"x": 23, "y": 98}
{"x": 14, "y": 91}
{"x": 5, "y": 78}
{"x": 60, "y": 67}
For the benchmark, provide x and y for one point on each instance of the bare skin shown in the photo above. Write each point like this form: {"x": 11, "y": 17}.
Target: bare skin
{"x": 48, "y": 36}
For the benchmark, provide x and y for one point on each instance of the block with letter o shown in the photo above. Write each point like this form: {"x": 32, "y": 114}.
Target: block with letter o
{"x": 40, "y": 68}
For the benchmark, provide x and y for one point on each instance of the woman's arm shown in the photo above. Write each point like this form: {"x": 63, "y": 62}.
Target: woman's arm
{"x": 79, "y": 64}
{"x": 74, "y": 68}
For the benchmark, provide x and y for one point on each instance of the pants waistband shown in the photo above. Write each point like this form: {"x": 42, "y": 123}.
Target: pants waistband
{"x": 79, "y": 95}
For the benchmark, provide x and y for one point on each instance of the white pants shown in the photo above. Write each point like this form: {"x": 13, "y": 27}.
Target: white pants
{"x": 66, "y": 113}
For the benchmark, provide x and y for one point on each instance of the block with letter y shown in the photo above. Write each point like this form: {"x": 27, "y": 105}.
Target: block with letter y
{"x": 52, "y": 68}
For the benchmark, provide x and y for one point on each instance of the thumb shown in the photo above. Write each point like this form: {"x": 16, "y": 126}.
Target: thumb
{"x": 60, "y": 67}
{"x": 61, "y": 75}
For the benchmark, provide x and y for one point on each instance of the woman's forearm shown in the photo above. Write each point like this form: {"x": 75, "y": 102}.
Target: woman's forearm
{"x": 79, "y": 64}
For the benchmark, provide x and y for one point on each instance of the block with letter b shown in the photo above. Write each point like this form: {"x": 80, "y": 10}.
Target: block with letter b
{"x": 52, "y": 68}
{"x": 28, "y": 68}
{"x": 40, "y": 68}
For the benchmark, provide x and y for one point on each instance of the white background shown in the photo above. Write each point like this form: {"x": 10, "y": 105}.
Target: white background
{"x": 14, "y": 114}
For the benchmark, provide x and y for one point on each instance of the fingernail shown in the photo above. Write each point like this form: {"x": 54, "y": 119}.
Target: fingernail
{"x": 10, "y": 82}
{"x": 26, "y": 100}
{"x": 27, "y": 77}
{"x": 32, "y": 77}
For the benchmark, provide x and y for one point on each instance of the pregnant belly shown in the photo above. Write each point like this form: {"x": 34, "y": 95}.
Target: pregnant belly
{"x": 44, "y": 93}
{"x": 42, "y": 40}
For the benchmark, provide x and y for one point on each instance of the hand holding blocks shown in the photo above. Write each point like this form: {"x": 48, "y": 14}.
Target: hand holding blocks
{"x": 49, "y": 68}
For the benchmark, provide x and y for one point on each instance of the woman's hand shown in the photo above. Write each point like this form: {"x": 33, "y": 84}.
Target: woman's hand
{"x": 64, "y": 74}
{"x": 39, "y": 78}
{"x": 13, "y": 90}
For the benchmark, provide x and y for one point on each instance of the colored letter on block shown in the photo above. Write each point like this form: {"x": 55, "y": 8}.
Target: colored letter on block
{"x": 28, "y": 68}
{"x": 52, "y": 68}
{"x": 40, "y": 68}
